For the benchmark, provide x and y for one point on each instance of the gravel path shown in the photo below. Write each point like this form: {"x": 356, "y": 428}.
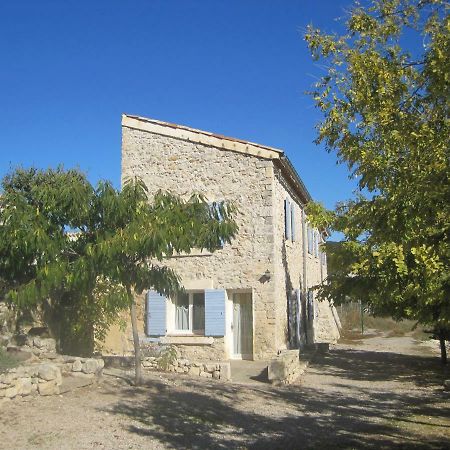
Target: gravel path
{"x": 361, "y": 395}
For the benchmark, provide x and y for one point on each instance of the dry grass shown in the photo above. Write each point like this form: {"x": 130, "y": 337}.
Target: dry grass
{"x": 350, "y": 316}
{"x": 7, "y": 361}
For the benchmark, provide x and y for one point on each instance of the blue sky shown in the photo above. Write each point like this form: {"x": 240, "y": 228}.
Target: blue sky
{"x": 69, "y": 69}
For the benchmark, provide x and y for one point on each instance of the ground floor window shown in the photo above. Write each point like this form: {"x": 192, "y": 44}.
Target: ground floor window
{"x": 190, "y": 312}
{"x": 182, "y": 312}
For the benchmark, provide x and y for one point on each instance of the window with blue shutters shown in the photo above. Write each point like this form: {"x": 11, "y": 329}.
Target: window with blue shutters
{"x": 156, "y": 314}
{"x": 310, "y": 239}
{"x": 215, "y": 312}
{"x": 293, "y": 225}
{"x": 287, "y": 219}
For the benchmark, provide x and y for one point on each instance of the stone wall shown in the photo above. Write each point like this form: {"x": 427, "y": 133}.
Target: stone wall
{"x": 46, "y": 378}
{"x": 213, "y": 352}
{"x": 289, "y": 271}
{"x": 184, "y": 167}
{"x": 286, "y": 367}
{"x": 40, "y": 369}
{"x": 254, "y": 184}
{"x": 217, "y": 370}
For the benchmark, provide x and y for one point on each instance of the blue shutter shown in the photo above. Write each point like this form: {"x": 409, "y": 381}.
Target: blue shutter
{"x": 156, "y": 314}
{"x": 310, "y": 238}
{"x": 287, "y": 219}
{"x": 293, "y": 222}
{"x": 215, "y": 312}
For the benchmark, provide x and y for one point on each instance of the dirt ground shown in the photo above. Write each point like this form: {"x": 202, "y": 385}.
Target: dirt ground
{"x": 373, "y": 393}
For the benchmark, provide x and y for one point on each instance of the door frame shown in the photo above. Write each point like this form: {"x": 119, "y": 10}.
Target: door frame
{"x": 244, "y": 356}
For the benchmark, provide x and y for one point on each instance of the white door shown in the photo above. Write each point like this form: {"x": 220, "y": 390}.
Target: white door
{"x": 242, "y": 326}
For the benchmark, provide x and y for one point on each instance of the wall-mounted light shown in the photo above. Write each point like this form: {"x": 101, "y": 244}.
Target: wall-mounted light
{"x": 265, "y": 277}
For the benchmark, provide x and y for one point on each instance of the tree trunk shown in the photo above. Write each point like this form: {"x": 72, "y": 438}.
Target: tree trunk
{"x": 443, "y": 349}
{"x": 137, "y": 347}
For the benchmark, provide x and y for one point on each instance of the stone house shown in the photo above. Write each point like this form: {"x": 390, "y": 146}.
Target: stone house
{"x": 249, "y": 299}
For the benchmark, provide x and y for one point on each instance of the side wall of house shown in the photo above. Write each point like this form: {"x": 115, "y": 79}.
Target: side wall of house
{"x": 288, "y": 255}
{"x": 289, "y": 272}
{"x": 184, "y": 167}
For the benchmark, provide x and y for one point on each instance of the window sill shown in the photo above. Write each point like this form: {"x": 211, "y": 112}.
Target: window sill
{"x": 187, "y": 340}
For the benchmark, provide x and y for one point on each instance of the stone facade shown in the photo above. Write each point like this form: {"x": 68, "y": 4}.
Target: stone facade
{"x": 259, "y": 261}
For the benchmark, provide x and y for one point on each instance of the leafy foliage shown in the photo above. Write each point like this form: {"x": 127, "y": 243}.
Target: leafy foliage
{"x": 167, "y": 357}
{"x": 87, "y": 249}
{"x": 385, "y": 102}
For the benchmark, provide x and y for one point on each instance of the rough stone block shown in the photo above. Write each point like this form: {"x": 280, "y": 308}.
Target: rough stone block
{"x": 90, "y": 366}
{"x": 225, "y": 371}
{"x": 48, "y": 388}
{"x": 82, "y": 375}
{"x": 211, "y": 367}
{"x": 48, "y": 372}
{"x": 194, "y": 371}
{"x": 11, "y": 392}
{"x": 69, "y": 359}
{"x": 206, "y": 374}
{"x": 77, "y": 366}
{"x": 24, "y": 386}
{"x": 276, "y": 370}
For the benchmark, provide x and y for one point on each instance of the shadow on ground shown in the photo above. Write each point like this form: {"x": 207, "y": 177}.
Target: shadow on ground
{"x": 210, "y": 415}
{"x": 366, "y": 365}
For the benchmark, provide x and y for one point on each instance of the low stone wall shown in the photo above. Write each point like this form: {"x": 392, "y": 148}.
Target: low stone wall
{"x": 217, "y": 370}
{"x": 34, "y": 347}
{"x": 212, "y": 352}
{"x": 38, "y": 379}
{"x": 286, "y": 367}
{"x": 45, "y": 378}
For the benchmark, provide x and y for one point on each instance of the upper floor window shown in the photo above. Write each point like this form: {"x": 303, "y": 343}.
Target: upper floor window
{"x": 317, "y": 244}
{"x": 323, "y": 258}
{"x": 310, "y": 233}
{"x": 290, "y": 225}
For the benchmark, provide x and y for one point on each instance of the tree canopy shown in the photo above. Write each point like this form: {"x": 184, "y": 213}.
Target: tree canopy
{"x": 91, "y": 248}
{"x": 385, "y": 103}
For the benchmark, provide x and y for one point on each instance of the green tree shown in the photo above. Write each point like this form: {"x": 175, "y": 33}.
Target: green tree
{"x": 385, "y": 104}
{"x": 91, "y": 249}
